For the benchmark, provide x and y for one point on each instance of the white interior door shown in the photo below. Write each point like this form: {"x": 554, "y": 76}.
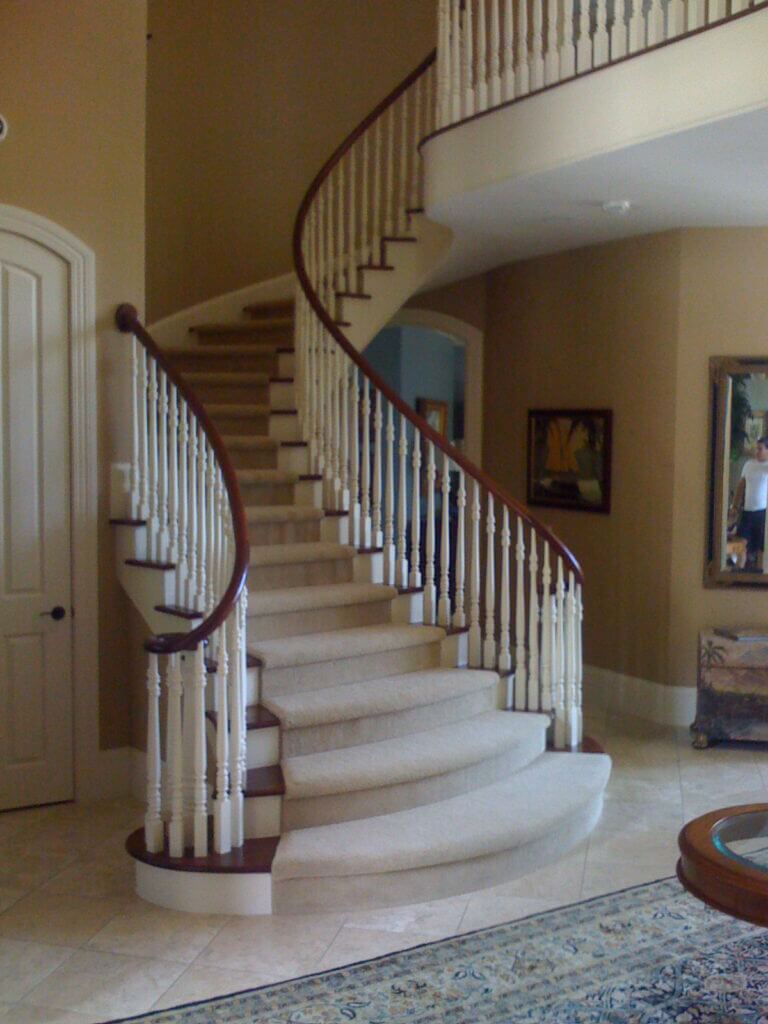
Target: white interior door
{"x": 35, "y": 647}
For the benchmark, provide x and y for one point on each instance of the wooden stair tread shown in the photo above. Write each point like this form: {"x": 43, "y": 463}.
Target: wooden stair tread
{"x": 267, "y": 781}
{"x": 374, "y": 266}
{"x": 127, "y": 522}
{"x": 255, "y": 856}
{"x": 179, "y": 612}
{"x": 353, "y": 295}
{"x": 147, "y": 563}
{"x": 256, "y": 717}
{"x": 399, "y": 238}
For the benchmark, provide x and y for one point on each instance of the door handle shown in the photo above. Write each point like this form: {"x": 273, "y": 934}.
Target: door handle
{"x": 57, "y": 612}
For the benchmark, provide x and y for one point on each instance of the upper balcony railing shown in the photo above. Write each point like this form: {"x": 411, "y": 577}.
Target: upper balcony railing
{"x": 493, "y": 52}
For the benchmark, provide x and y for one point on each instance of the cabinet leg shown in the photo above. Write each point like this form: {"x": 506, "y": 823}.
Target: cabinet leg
{"x": 700, "y": 740}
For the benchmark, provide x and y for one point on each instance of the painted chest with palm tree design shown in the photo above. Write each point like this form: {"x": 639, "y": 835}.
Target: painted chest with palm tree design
{"x": 732, "y": 693}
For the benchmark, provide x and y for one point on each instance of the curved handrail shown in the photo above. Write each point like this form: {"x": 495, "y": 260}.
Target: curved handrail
{"x": 336, "y": 332}
{"x": 127, "y": 320}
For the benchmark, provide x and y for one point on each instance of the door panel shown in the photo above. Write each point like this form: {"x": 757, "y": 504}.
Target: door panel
{"x": 35, "y": 650}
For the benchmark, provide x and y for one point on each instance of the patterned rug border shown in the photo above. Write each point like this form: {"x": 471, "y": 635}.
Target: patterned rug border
{"x": 215, "y": 1000}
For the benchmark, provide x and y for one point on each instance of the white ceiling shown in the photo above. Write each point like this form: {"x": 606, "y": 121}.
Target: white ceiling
{"x": 715, "y": 175}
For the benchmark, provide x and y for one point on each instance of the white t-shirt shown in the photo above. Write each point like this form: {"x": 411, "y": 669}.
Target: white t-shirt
{"x": 755, "y": 475}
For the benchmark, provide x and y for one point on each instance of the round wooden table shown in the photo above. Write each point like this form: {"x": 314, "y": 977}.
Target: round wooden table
{"x": 724, "y": 860}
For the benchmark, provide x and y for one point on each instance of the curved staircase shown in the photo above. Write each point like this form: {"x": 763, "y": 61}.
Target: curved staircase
{"x": 362, "y": 715}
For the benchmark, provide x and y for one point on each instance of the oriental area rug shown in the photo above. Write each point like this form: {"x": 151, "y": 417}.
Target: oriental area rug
{"x": 646, "y": 955}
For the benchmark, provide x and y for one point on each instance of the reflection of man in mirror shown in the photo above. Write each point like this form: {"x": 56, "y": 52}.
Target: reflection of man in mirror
{"x": 752, "y": 497}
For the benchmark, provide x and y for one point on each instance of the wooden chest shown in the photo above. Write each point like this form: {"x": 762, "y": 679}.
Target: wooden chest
{"x": 732, "y": 693}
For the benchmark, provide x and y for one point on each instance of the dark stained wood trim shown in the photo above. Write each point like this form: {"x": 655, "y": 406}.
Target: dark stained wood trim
{"x": 589, "y": 745}
{"x": 369, "y": 551}
{"x": 267, "y": 781}
{"x": 281, "y": 380}
{"x": 256, "y": 717}
{"x": 353, "y": 295}
{"x": 128, "y": 322}
{"x": 335, "y": 513}
{"x": 147, "y": 563}
{"x": 180, "y": 613}
{"x": 455, "y": 630}
{"x": 410, "y": 590}
{"x": 127, "y": 522}
{"x": 283, "y": 412}
{"x": 360, "y": 361}
{"x": 310, "y": 476}
{"x": 254, "y": 857}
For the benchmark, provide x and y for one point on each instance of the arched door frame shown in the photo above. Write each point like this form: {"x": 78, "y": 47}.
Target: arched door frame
{"x": 88, "y": 763}
{"x": 473, "y": 340}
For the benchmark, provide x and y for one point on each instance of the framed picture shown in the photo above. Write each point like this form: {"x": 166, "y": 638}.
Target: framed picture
{"x": 435, "y": 412}
{"x": 569, "y": 458}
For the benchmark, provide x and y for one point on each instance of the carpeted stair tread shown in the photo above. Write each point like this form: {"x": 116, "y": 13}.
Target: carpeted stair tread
{"x": 226, "y": 377}
{"x": 290, "y": 554}
{"x": 282, "y": 514}
{"x": 359, "y": 641}
{"x": 266, "y": 476}
{"x": 223, "y": 351}
{"x": 329, "y": 595}
{"x": 528, "y": 805}
{"x": 258, "y": 442}
{"x": 237, "y": 409}
{"x": 376, "y": 696}
{"x": 420, "y": 755}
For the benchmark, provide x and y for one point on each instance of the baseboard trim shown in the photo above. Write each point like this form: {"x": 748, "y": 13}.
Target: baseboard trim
{"x": 607, "y": 690}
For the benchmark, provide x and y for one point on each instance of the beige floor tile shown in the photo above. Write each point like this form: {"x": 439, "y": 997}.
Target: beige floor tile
{"x": 25, "y": 867}
{"x": 23, "y": 965}
{"x": 9, "y": 896}
{"x": 640, "y": 816}
{"x": 275, "y": 947}
{"x": 488, "y": 909}
{"x": 354, "y": 944}
{"x": 144, "y": 930}
{"x": 439, "y": 917}
{"x": 22, "y": 1013}
{"x": 696, "y": 804}
{"x": 105, "y": 984}
{"x": 206, "y": 983}
{"x": 617, "y": 861}
{"x": 99, "y": 877}
{"x": 559, "y": 881}
{"x": 58, "y": 920}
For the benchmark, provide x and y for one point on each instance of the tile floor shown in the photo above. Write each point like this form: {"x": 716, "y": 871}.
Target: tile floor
{"x": 76, "y": 945}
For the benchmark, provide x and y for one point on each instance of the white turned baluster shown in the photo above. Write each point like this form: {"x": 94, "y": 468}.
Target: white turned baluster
{"x": 351, "y": 204}
{"x": 330, "y": 456}
{"x": 153, "y": 818}
{"x": 494, "y": 77}
{"x": 456, "y": 61}
{"x": 173, "y": 485}
{"x": 343, "y": 390}
{"x": 637, "y": 26}
{"x": 430, "y": 591}
{"x": 402, "y": 506}
{"x": 522, "y": 68}
{"x": 739, "y": 5}
{"x": 655, "y": 30}
{"x": 558, "y": 686}
{"x": 552, "y": 53}
{"x": 365, "y": 208}
{"x": 508, "y": 53}
{"x": 222, "y": 810}
{"x": 237, "y": 704}
{"x": 137, "y": 393}
{"x": 475, "y": 635}
{"x": 414, "y": 201}
{"x": 338, "y": 426}
{"x": 378, "y": 228}
{"x": 192, "y": 508}
{"x": 401, "y": 212}
{"x": 390, "y": 195}
{"x": 578, "y": 700}
{"x": 202, "y": 535}
{"x": 600, "y": 41}
{"x": 211, "y": 528}
{"x": 546, "y": 632}
{"x": 572, "y": 730}
{"x": 568, "y": 42}
{"x": 163, "y": 501}
{"x": 467, "y": 91}
{"x": 718, "y": 9}
{"x": 521, "y": 672}
{"x": 389, "y": 501}
{"x": 175, "y": 758}
{"x": 183, "y": 571}
{"x": 489, "y": 643}
{"x": 153, "y": 531}
{"x": 584, "y": 45}
{"x": 505, "y": 650}
{"x": 459, "y": 615}
{"x": 414, "y": 578}
{"x": 676, "y": 18}
{"x": 377, "y": 535}
{"x": 534, "y": 694}
{"x": 481, "y": 80}
{"x": 354, "y": 459}
{"x": 444, "y": 601}
{"x": 340, "y": 249}
{"x": 619, "y": 30}
{"x": 443, "y": 62}
{"x": 199, "y": 793}
{"x": 365, "y": 469}
{"x": 537, "y": 46}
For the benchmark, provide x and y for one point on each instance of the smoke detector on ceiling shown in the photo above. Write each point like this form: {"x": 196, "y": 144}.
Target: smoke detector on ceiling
{"x": 617, "y": 207}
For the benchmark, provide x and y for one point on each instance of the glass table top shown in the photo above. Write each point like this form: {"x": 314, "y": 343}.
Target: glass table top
{"x": 744, "y": 837}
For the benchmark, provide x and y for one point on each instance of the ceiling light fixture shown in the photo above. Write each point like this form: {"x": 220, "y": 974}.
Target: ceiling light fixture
{"x": 617, "y": 207}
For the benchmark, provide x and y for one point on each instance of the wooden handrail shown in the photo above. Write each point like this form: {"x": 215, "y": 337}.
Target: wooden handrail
{"x": 127, "y": 320}
{"x": 362, "y": 363}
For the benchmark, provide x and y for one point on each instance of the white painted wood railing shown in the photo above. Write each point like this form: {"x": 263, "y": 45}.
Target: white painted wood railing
{"x": 483, "y": 563}
{"x": 491, "y": 52}
{"x": 190, "y": 522}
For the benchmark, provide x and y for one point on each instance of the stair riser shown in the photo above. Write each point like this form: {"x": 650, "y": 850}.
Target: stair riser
{"x": 266, "y": 493}
{"x": 259, "y": 335}
{"x": 254, "y": 458}
{"x": 300, "y": 574}
{"x": 208, "y": 359}
{"x": 282, "y": 394}
{"x": 336, "y": 735}
{"x": 317, "y": 620}
{"x": 293, "y": 458}
{"x": 233, "y": 393}
{"x": 326, "y": 810}
{"x": 284, "y": 533}
{"x": 347, "y": 670}
{"x": 252, "y": 426}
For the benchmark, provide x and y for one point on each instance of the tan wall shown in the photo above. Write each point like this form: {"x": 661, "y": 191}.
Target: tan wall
{"x": 246, "y": 100}
{"x": 597, "y": 327}
{"x": 466, "y": 300}
{"x": 72, "y": 81}
{"x": 723, "y": 311}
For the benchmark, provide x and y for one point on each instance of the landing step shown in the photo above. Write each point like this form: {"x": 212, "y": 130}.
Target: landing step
{"x": 359, "y": 641}
{"x": 329, "y": 595}
{"x": 255, "y": 856}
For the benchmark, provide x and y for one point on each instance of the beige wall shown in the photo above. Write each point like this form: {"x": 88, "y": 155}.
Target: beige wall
{"x": 467, "y": 300}
{"x": 246, "y": 100}
{"x": 72, "y": 78}
{"x": 723, "y": 311}
{"x": 597, "y": 327}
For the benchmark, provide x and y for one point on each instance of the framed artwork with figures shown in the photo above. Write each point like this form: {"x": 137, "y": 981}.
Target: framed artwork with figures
{"x": 569, "y": 459}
